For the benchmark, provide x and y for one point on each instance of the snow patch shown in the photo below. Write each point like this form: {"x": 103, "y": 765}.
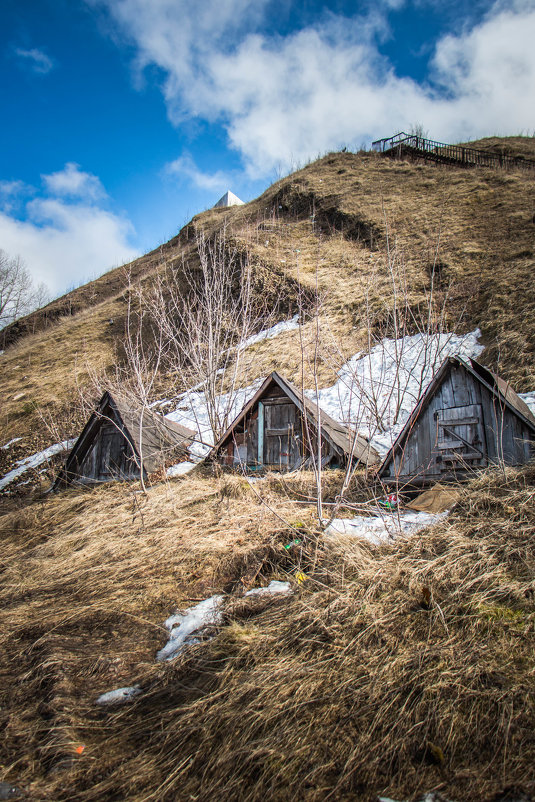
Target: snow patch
{"x": 183, "y": 625}
{"x": 274, "y": 587}
{"x": 183, "y": 628}
{"x": 23, "y": 465}
{"x": 529, "y": 399}
{"x": 180, "y": 469}
{"x": 274, "y": 331}
{"x": 376, "y": 392}
{"x": 119, "y": 696}
{"x": 10, "y": 443}
{"x": 384, "y": 528}
{"x": 192, "y": 411}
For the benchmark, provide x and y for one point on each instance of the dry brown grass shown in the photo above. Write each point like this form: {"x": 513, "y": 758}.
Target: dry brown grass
{"x": 360, "y": 683}
{"x": 327, "y": 222}
{"x": 355, "y": 685}
{"x": 42, "y": 373}
{"x": 88, "y": 578}
{"x": 509, "y": 146}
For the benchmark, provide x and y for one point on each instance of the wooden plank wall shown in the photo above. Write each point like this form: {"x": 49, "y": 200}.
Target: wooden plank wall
{"x": 276, "y": 415}
{"x": 506, "y": 438}
{"x": 109, "y": 457}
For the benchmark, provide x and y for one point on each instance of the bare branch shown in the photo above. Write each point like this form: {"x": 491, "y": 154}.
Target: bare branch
{"x": 18, "y": 294}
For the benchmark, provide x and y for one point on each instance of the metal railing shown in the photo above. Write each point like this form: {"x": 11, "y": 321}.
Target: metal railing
{"x": 418, "y": 146}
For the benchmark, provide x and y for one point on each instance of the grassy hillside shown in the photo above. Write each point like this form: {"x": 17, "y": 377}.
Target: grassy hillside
{"x": 388, "y": 670}
{"x": 332, "y": 222}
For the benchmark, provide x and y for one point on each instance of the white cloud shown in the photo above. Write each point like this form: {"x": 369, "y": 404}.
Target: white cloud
{"x": 35, "y": 59}
{"x": 73, "y": 182}
{"x": 178, "y": 35}
{"x": 185, "y": 167}
{"x": 11, "y": 194}
{"x": 63, "y": 241}
{"x": 491, "y": 73}
{"x": 288, "y": 98}
{"x": 9, "y": 188}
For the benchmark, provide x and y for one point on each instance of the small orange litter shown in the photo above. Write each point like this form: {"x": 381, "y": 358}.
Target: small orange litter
{"x": 80, "y": 749}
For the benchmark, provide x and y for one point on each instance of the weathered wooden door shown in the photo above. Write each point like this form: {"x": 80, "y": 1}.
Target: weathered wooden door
{"x": 460, "y": 439}
{"x": 111, "y": 462}
{"x": 251, "y": 428}
{"x": 282, "y": 431}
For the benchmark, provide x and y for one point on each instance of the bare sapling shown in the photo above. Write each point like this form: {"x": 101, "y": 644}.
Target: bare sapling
{"x": 206, "y": 310}
{"x": 144, "y": 356}
{"x": 406, "y": 343}
{"x": 135, "y": 373}
{"x": 190, "y": 328}
{"x": 19, "y": 295}
{"x": 310, "y": 353}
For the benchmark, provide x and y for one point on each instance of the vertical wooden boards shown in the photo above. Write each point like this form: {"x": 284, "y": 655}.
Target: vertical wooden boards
{"x": 110, "y": 455}
{"x": 281, "y": 434}
{"x": 251, "y": 434}
{"x": 463, "y": 423}
{"x": 88, "y": 466}
{"x": 517, "y": 440}
{"x": 260, "y": 451}
{"x": 111, "y": 442}
{"x": 118, "y": 436}
{"x": 461, "y": 387}
{"x": 286, "y": 431}
{"x": 492, "y": 419}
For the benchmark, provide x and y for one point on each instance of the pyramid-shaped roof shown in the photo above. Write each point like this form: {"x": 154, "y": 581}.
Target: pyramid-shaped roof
{"x": 147, "y": 433}
{"x": 228, "y": 199}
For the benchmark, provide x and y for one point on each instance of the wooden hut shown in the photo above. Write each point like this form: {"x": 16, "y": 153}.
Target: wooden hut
{"x": 118, "y": 439}
{"x": 278, "y": 430}
{"x": 467, "y": 419}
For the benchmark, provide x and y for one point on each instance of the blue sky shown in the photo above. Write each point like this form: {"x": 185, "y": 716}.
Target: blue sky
{"x": 124, "y": 118}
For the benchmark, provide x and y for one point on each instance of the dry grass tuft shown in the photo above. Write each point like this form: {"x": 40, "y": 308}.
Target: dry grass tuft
{"x": 391, "y": 670}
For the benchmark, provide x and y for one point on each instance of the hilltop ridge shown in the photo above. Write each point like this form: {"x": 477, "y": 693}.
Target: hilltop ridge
{"x": 330, "y": 224}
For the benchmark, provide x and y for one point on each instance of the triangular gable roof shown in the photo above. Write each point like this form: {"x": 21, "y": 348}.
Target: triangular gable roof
{"x": 494, "y": 383}
{"x": 228, "y": 199}
{"x": 151, "y": 433}
{"x": 505, "y": 390}
{"x": 331, "y": 429}
{"x": 147, "y": 433}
